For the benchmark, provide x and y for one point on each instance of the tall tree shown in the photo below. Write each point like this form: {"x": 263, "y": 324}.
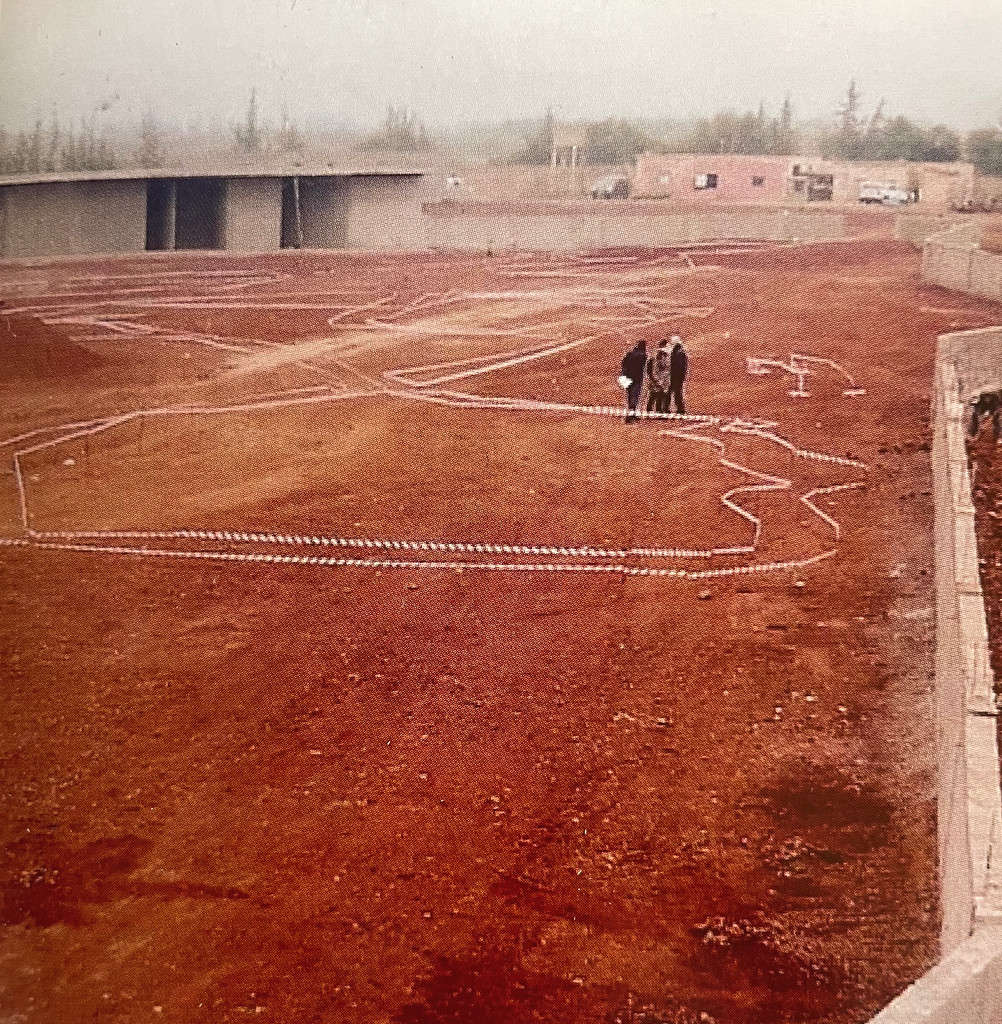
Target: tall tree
{"x": 151, "y": 147}
{"x": 34, "y": 156}
{"x": 783, "y": 135}
{"x": 290, "y": 139}
{"x": 614, "y": 141}
{"x": 873, "y": 136}
{"x": 984, "y": 149}
{"x": 248, "y": 134}
{"x": 51, "y": 160}
{"x": 539, "y": 146}
{"x": 847, "y": 140}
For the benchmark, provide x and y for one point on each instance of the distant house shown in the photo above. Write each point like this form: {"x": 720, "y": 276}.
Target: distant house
{"x": 706, "y": 179}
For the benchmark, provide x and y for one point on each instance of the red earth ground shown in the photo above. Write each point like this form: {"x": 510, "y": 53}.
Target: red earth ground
{"x": 318, "y": 793}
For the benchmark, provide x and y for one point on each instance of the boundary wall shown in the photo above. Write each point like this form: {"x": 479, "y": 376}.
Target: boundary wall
{"x": 575, "y": 230}
{"x": 966, "y": 986}
{"x": 954, "y": 259}
{"x": 916, "y": 228}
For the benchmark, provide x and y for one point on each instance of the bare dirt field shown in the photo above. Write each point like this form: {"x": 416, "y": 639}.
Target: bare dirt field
{"x": 361, "y": 664}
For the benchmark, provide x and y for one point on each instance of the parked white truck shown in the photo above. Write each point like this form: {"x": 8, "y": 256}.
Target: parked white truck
{"x": 884, "y": 194}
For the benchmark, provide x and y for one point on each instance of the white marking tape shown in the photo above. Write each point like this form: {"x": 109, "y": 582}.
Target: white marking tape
{"x": 379, "y": 543}
{"x": 613, "y": 560}
{"x": 553, "y": 567}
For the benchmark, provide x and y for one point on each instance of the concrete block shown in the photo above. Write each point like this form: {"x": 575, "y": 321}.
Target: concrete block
{"x": 73, "y": 218}
{"x": 983, "y": 800}
{"x": 324, "y": 212}
{"x": 966, "y": 988}
{"x": 253, "y": 215}
{"x": 384, "y": 212}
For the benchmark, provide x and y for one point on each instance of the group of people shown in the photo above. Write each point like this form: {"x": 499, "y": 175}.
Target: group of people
{"x": 664, "y": 371}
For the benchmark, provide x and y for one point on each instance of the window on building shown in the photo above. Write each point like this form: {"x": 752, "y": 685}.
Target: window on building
{"x": 703, "y": 181}
{"x": 758, "y": 181}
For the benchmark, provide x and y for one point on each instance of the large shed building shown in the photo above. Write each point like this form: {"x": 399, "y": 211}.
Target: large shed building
{"x": 250, "y": 210}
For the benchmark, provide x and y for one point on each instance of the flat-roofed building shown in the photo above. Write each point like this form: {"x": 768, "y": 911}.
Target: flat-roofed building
{"x": 706, "y": 179}
{"x": 248, "y": 210}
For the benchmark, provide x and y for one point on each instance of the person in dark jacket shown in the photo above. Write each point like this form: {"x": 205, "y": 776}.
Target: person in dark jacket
{"x": 633, "y": 366}
{"x": 657, "y": 379}
{"x": 988, "y": 403}
{"x": 678, "y": 369}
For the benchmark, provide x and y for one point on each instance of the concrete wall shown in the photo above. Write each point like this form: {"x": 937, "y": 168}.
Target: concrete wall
{"x": 967, "y": 985}
{"x": 525, "y": 181}
{"x": 987, "y": 188}
{"x": 954, "y": 260}
{"x": 360, "y": 211}
{"x": 917, "y": 227}
{"x": 72, "y": 218}
{"x": 966, "y": 988}
{"x": 323, "y": 204}
{"x": 384, "y": 212}
{"x": 576, "y": 230}
{"x": 200, "y": 213}
{"x": 161, "y": 213}
{"x": 253, "y": 214}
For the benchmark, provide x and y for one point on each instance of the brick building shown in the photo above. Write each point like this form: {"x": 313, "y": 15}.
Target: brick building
{"x": 706, "y": 179}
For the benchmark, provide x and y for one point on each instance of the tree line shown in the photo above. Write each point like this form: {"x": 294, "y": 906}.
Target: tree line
{"x": 53, "y": 147}
{"x": 853, "y": 135}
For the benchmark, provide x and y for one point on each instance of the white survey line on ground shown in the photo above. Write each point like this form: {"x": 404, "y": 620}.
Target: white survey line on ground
{"x": 758, "y": 429}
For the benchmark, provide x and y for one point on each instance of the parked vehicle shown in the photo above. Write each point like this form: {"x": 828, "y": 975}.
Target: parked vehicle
{"x": 614, "y": 186}
{"x": 885, "y": 195}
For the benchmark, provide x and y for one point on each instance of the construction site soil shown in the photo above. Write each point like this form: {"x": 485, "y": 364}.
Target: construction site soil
{"x": 375, "y": 672}
{"x": 31, "y": 350}
{"x": 991, "y": 241}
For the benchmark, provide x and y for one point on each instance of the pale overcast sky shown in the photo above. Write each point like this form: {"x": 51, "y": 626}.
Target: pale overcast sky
{"x": 452, "y": 60}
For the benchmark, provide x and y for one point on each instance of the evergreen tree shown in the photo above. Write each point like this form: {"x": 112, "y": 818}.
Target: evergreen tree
{"x": 248, "y": 134}
{"x": 984, "y": 149}
{"x": 52, "y": 162}
{"x": 151, "y": 149}
{"x": 539, "y": 147}
{"x": 289, "y": 137}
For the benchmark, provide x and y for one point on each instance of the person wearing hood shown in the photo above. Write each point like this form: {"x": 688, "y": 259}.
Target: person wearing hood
{"x": 657, "y": 379}
{"x": 678, "y": 370}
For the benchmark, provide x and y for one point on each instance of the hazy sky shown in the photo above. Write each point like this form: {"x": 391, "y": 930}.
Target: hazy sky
{"x": 452, "y": 60}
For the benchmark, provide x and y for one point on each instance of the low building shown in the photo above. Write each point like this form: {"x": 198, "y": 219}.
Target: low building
{"x": 731, "y": 179}
{"x": 44, "y": 215}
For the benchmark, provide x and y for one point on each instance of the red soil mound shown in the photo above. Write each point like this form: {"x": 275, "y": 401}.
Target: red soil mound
{"x": 30, "y": 349}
